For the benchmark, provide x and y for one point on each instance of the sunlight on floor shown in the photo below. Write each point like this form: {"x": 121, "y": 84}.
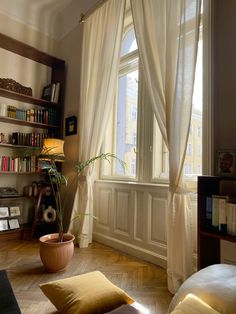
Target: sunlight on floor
{"x": 141, "y": 308}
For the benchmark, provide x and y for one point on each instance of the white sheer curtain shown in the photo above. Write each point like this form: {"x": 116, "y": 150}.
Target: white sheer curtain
{"x": 100, "y": 59}
{"x": 167, "y": 36}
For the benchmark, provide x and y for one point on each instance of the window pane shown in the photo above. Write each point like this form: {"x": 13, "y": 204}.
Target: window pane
{"x": 193, "y": 160}
{"x": 160, "y": 161}
{"x": 127, "y": 123}
{"x": 129, "y": 43}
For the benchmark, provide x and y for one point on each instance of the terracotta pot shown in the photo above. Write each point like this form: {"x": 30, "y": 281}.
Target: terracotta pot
{"x": 55, "y": 255}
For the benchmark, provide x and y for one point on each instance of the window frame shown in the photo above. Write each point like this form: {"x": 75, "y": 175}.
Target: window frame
{"x": 144, "y": 143}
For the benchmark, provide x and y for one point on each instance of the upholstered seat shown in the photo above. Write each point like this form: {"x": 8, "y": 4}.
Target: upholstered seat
{"x": 215, "y": 285}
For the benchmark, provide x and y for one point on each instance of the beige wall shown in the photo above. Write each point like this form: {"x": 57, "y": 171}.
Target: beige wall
{"x": 27, "y": 35}
{"x": 70, "y": 48}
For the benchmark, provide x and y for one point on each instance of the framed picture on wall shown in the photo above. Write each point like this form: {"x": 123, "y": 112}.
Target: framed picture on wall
{"x": 71, "y": 125}
{"x": 225, "y": 162}
{"x": 47, "y": 90}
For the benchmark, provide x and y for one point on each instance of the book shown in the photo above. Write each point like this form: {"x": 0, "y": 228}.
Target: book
{"x": 53, "y": 92}
{"x": 215, "y": 211}
{"x": 57, "y": 90}
{"x": 208, "y": 210}
{"x": 222, "y": 214}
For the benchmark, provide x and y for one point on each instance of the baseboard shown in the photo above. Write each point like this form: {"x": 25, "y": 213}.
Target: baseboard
{"x": 131, "y": 249}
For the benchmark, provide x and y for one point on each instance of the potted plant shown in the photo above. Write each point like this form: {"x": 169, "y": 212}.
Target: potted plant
{"x": 57, "y": 249}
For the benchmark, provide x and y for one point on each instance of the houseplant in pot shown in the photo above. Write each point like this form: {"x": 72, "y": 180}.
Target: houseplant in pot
{"x": 57, "y": 249}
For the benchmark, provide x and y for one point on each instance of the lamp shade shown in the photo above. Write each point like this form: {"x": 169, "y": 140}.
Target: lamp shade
{"x": 53, "y": 148}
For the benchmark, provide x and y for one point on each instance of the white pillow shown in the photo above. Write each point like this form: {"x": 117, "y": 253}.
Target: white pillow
{"x": 193, "y": 305}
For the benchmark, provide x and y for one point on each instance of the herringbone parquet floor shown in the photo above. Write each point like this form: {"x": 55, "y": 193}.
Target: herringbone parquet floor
{"x": 145, "y": 282}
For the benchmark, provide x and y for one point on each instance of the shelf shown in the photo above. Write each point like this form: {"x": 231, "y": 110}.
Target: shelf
{"x": 21, "y": 173}
{"x": 28, "y": 123}
{"x": 29, "y": 52}
{"x": 7, "y": 145}
{"x": 209, "y": 240}
{"x": 27, "y": 99}
{"x": 226, "y": 237}
{"x": 15, "y": 234}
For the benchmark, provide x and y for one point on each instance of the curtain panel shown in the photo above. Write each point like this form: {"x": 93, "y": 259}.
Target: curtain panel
{"x": 167, "y": 36}
{"x": 102, "y": 37}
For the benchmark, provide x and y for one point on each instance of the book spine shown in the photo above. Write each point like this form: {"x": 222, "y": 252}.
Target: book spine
{"x": 215, "y": 212}
{"x": 222, "y": 215}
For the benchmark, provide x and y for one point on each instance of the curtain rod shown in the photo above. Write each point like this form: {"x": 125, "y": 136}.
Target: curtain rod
{"x": 84, "y": 16}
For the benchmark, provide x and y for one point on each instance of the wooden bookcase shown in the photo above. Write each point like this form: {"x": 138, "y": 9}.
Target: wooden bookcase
{"x": 57, "y": 75}
{"x": 209, "y": 240}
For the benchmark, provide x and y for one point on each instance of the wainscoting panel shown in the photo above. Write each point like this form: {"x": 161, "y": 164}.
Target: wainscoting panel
{"x": 132, "y": 218}
{"x": 122, "y": 209}
{"x": 139, "y": 216}
{"x": 157, "y": 209}
{"x": 104, "y": 208}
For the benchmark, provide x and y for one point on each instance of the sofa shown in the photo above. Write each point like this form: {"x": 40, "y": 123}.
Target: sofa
{"x": 212, "y": 290}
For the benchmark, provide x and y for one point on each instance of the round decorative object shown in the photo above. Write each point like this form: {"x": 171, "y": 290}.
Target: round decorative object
{"x": 49, "y": 215}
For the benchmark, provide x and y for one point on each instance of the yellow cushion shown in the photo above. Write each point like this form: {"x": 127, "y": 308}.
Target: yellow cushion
{"x": 193, "y": 305}
{"x": 88, "y": 293}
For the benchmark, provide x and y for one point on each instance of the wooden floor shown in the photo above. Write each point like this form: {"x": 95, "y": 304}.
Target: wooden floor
{"x": 145, "y": 282}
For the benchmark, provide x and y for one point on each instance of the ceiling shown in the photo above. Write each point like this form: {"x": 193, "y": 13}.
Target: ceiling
{"x": 54, "y": 18}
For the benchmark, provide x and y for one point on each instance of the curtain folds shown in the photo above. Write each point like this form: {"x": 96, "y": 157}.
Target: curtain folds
{"x": 100, "y": 60}
{"x": 167, "y": 35}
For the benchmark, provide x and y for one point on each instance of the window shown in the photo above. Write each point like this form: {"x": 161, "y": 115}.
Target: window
{"x": 133, "y": 133}
{"x": 190, "y": 149}
{"x": 125, "y": 112}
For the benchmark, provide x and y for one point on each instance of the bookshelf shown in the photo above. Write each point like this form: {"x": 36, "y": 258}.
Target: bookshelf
{"x": 53, "y": 127}
{"x": 209, "y": 237}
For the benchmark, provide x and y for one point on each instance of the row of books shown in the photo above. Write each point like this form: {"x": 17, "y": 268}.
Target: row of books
{"x": 44, "y": 116}
{"x": 28, "y": 139}
{"x": 221, "y": 214}
{"x": 17, "y": 164}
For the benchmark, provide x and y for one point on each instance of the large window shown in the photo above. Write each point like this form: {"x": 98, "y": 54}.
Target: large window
{"x": 133, "y": 133}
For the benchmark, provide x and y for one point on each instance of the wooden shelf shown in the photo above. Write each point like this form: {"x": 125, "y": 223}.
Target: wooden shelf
{"x": 28, "y": 123}
{"x": 27, "y": 99}
{"x": 18, "y": 173}
{"x": 57, "y": 75}
{"x": 29, "y": 52}
{"x": 226, "y": 237}
{"x": 209, "y": 247}
{"x": 15, "y": 234}
{"x": 7, "y": 145}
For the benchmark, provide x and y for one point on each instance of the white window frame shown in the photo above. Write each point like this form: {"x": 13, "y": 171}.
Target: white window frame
{"x": 144, "y": 145}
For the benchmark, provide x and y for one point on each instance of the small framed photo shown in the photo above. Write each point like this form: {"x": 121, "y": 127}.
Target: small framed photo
{"x": 14, "y": 224}
{"x": 14, "y": 211}
{"x": 226, "y": 162}
{"x": 4, "y": 212}
{"x": 3, "y": 225}
{"x": 47, "y": 92}
{"x": 71, "y": 125}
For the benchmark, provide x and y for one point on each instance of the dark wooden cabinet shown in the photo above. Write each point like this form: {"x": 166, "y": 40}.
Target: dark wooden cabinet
{"x": 209, "y": 239}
